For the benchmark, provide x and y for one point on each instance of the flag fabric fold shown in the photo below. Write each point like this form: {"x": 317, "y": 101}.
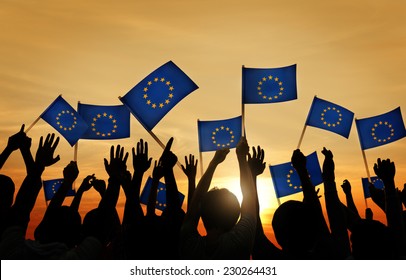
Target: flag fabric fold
{"x": 378, "y": 183}
{"x": 329, "y": 116}
{"x": 52, "y": 186}
{"x": 105, "y": 122}
{"x": 61, "y": 116}
{"x": 286, "y": 180}
{"x": 152, "y": 98}
{"x": 160, "y": 197}
{"x": 269, "y": 85}
{"x": 381, "y": 129}
{"x": 218, "y": 134}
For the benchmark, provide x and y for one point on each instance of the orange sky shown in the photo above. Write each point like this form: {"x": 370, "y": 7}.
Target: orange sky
{"x": 348, "y": 52}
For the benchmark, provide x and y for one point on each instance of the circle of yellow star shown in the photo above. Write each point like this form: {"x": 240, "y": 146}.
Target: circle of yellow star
{"x": 270, "y": 79}
{"x": 149, "y": 88}
{"x": 62, "y": 125}
{"x": 379, "y": 138}
{"x": 222, "y": 144}
{"x": 338, "y": 119}
{"x": 108, "y": 117}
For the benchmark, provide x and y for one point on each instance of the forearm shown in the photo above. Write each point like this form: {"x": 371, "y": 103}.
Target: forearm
{"x": 191, "y": 190}
{"x": 28, "y": 158}
{"x": 351, "y": 204}
{"x": 109, "y": 200}
{"x": 152, "y": 197}
{"x": 249, "y": 202}
{"x": 76, "y": 200}
{"x": 59, "y": 197}
{"x": 4, "y": 156}
{"x": 172, "y": 197}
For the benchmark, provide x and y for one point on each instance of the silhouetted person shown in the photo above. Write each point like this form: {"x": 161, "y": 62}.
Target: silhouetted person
{"x": 219, "y": 209}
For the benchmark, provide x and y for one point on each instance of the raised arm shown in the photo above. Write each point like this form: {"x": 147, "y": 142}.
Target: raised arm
{"x": 346, "y": 186}
{"x": 385, "y": 170}
{"x": 70, "y": 173}
{"x": 28, "y": 192}
{"x": 335, "y": 211}
{"x": 14, "y": 143}
{"x": 189, "y": 169}
{"x": 84, "y": 187}
{"x": 193, "y": 215}
{"x": 157, "y": 174}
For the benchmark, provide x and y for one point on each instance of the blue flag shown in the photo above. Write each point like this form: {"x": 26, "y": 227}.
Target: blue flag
{"x": 329, "y": 116}
{"x": 61, "y": 116}
{"x": 52, "y": 186}
{"x": 286, "y": 181}
{"x": 378, "y": 183}
{"x": 105, "y": 122}
{"x": 160, "y": 197}
{"x": 269, "y": 85}
{"x": 215, "y": 135}
{"x": 152, "y": 98}
{"x": 380, "y": 130}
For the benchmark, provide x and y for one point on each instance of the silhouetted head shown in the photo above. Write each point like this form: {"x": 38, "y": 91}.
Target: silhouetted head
{"x": 371, "y": 240}
{"x": 7, "y": 189}
{"x": 220, "y": 209}
{"x": 61, "y": 224}
{"x": 102, "y": 224}
{"x": 296, "y": 228}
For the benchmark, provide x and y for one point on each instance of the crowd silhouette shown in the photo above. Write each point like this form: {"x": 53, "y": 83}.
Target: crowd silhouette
{"x": 233, "y": 231}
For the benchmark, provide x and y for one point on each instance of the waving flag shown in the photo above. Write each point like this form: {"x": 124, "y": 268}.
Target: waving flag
{"x": 365, "y": 185}
{"x": 151, "y": 99}
{"x": 380, "y": 130}
{"x": 52, "y": 186}
{"x": 269, "y": 85}
{"x": 215, "y": 135}
{"x": 105, "y": 122}
{"x": 61, "y": 116}
{"x": 329, "y": 116}
{"x": 286, "y": 180}
{"x": 160, "y": 197}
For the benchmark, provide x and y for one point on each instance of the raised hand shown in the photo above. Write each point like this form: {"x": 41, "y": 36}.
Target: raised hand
{"x": 17, "y": 140}
{"x": 242, "y": 148}
{"x": 158, "y": 171}
{"x": 168, "y": 159}
{"x": 385, "y": 170}
{"x": 220, "y": 155}
{"x": 118, "y": 163}
{"x": 70, "y": 172}
{"x": 141, "y": 162}
{"x": 256, "y": 161}
{"x": 87, "y": 183}
{"x": 328, "y": 165}
{"x": 298, "y": 160}
{"x": 346, "y": 186}
{"x": 99, "y": 185}
{"x": 45, "y": 153}
{"x": 190, "y": 167}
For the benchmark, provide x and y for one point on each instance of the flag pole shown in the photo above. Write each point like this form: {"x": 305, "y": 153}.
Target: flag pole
{"x": 29, "y": 128}
{"x": 201, "y": 164}
{"x": 301, "y": 136}
{"x": 242, "y": 105}
{"x": 368, "y": 174}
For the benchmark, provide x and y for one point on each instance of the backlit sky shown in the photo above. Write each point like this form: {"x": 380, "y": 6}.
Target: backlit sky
{"x": 348, "y": 52}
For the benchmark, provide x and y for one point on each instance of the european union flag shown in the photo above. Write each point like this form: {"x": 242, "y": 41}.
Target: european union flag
{"x": 286, "y": 180}
{"x": 380, "y": 130}
{"x": 61, "y": 116}
{"x": 329, "y": 116}
{"x": 160, "y": 197}
{"x": 52, "y": 186}
{"x": 215, "y": 135}
{"x": 105, "y": 122}
{"x": 152, "y": 98}
{"x": 378, "y": 183}
{"x": 268, "y": 85}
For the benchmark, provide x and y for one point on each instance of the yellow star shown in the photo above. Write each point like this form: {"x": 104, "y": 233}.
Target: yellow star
{"x": 260, "y": 93}
{"x": 63, "y": 112}
{"x": 145, "y": 96}
{"x": 149, "y": 83}
{"x": 109, "y": 134}
{"x": 170, "y": 95}
{"x": 171, "y": 88}
{"x": 222, "y": 127}
{"x": 156, "y": 80}
{"x": 260, "y": 83}
{"x": 99, "y": 116}
{"x": 167, "y": 101}
{"x": 168, "y": 83}
{"x": 227, "y": 128}
{"x": 114, "y": 126}
{"x": 281, "y": 88}
{"x": 264, "y": 79}
{"x": 113, "y": 131}
{"x": 104, "y": 114}
{"x": 148, "y": 102}
{"x": 162, "y": 79}
{"x": 217, "y": 129}
{"x": 276, "y": 79}
{"x": 110, "y": 117}
{"x": 98, "y": 133}
{"x": 114, "y": 121}
{"x": 94, "y": 119}
{"x": 161, "y": 105}
{"x": 270, "y": 77}
{"x": 258, "y": 88}
{"x": 280, "y": 83}
{"x": 93, "y": 124}
{"x": 154, "y": 105}
{"x": 145, "y": 89}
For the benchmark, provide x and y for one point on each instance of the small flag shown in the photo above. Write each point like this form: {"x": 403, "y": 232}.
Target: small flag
{"x": 52, "y": 186}
{"x": 151, "y": 99}
{"x": 380, "y": 130}
{"x": 269, "y": 85}
{"x": 329, "y": 116}
{"x": 105, "y": 122}
{"x": 61, "y": 116}
{"x": 215, "y": 135}
{"x": 378, "y": 183}
{"x": 286, "y": 180}
{"x": 160, "y": 197}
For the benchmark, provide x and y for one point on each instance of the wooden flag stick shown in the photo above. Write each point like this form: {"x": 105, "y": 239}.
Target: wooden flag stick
{"x": 31, "y": 126}
{"x": 368, "y": 174}
{"x": 301, "y": 136}
{"x": 201, "y": 164}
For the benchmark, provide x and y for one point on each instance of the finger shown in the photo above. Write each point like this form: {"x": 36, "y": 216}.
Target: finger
{"x": 111, "y": 152}
{"x": 133, "y": 152}
{"x": 125, "y": 157}
{"x": 254, "y": 152}
{"x": 145, "y": 147}
{"x": 168, "y": 145}
{"x": 106, "y": 164}
{"x": 41, "y": 140}
{"x": 55, "y": 144}
{"x": 186, "y": 161}
{"x": 55, "y": 160}
{"x": 22, "y": 128}
{"x": 139, "y": 148}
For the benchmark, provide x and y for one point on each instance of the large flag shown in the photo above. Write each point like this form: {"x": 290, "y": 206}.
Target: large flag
{"x": 52, "y": 186}
{"x": 378, "y": 183}
{"x": 380, "y": 130}
{"x": 215, "y": 135}
{"x": 160, "y": 197}
{"x": 286, "y": 180}
{"x": 329, "y": 116}
{"x": 152, "y": 98}
{"x": 105, "y": 122}
{"x": 268, "y": 85}
{"x": 61, "y": 116}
